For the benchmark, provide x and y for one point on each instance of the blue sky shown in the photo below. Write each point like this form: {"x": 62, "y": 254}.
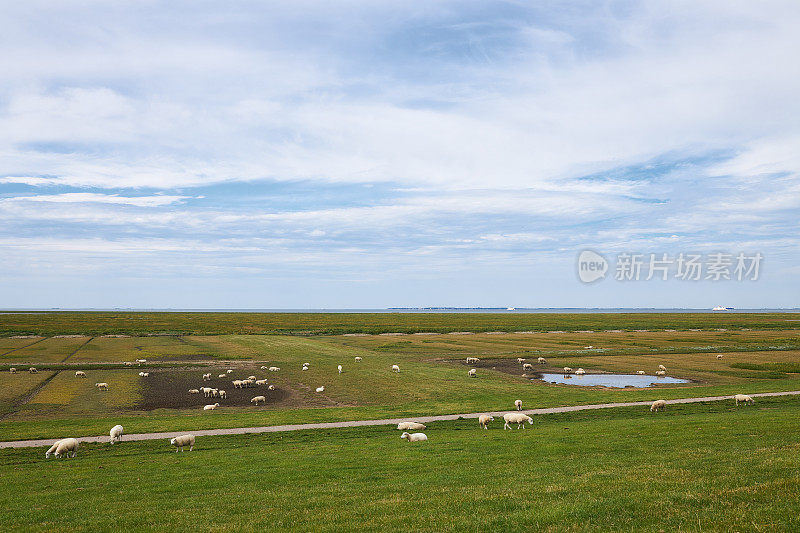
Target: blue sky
{"x": 372, "y": 154}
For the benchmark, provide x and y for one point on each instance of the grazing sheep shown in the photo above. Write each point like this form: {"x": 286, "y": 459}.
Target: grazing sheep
{"x": 567, "y": 370}
{"x": 273, "y": 369}
{"x": 518, "y": 404}
{"x": 271, "y": 387}
{"x": 415, "y": 426}
{"x": 640, "y": 372}
{"x": 661, "y": 373}
{"x": 223, "y": 394}
{"x": 658, "y": 405}
{"x": 257, "y": 399}
{"x": 414, "y": 437}
{"x": 321, "y": 389}
{"x": 516, "y": 418}
{"x": 206, "y": 377}
{"x": 33, "y": 370}
{"x": 358, "y": 359}
{"x": 222, "y": 376}
{"x": 210, "y": 407}
{"x": 140, "y": 361}
{"x": 305, "y": 368}
{"x": 662, "y": 367}
{"x": 306, "y": 364}
{"x": 247, "y": 383}
{"x": 484, "y": 420}
{"x": 541, "y": 360}
{"x": 237, "y": 383}
{"x": 743, "y": 398}
{"x": 230, "y": 370}
{"x": 261, "y": 382}
{"x": 473, "y": 372}
{"x": 719, "y": 356}
{"x": 181, "y": 441}
{"x": 194, "y": 391}
{"x": 65, "y": 446}
{"x": 215, "y": 393}
{"x": 520, "y": 360}
{"x": 52, "y": 449}
{"x": 395, "y": 368}
{"x": 80, "y": 374}
{"x": 252, "y": 378}
{"x": 116, "y": 434}
{"x": 472, "y": 360}
{"x": 101, "y": 386}
{"x": 580, "y": 372}
{"x": 339, "y": 368}
{"x": 264, "y": 367}
{"x": 128, "y": 363}
{"x": 141, "y": 374}
{"x": 527, "y": 366}
{"x": 588, "y": 347}
{"x": 207, "y": 391}
{"x": 12, "y": 370}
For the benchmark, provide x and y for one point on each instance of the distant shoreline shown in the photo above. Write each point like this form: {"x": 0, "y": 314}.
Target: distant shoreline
{"x": 432, "y": 310}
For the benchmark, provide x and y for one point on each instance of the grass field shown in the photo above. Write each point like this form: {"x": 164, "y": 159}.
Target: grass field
{"x": 704, "y": 467}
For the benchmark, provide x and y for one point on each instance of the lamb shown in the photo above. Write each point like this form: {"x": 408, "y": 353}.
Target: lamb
{"x": 142, "y": 374}
{"x": 321, "y": 389}
{"x": 258, "y": 399}
{"x": 80, "y": 374}
{"x": 640, "y": 372}
{"x": 661, "y": 373}
{"x": 358, "y": 359}
{"x": 339, "y": 368}
{"x": 415, "y": 426}
{"x": 116, "y": 434}
{"x": 194, "y": 391}
{"x": 542, "y": 360}
{"x": 580, "y": 372}
{"x": 261, "y": 382}
{"x": 527, "y": 366}
{"x": 101, "y": 386}
{"x": 414, "y": 437}
{"x": 128, "y": 363}
{"x": 516, "y": 418}
{"x": 181, "y": 441}
{"x": 12, "y": 370}
{"x": 567, "y": 370}
{"x": 484, "y": 420}
{"x": 223, "y": 394}
{"x": 33, "y": 370}
{"x": 273, "y": 369}
{"x": 306, "y": 364}
{"x": 472, "y": 360}
{"x": 65, "y": 446}
{"x": 210, "y": 407}
{"x": 395, "y": 368}
{"x": 662, "y": 367}
{"x": 743, "y": 398}
{"x": 518, "y": 404}
{"x": 473, "y": 372}
{"x": 658, "y": 405}
{"x": 206, "y": 377}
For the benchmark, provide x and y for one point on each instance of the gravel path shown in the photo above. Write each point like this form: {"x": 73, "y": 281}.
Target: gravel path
{"x": 382, "y": 422}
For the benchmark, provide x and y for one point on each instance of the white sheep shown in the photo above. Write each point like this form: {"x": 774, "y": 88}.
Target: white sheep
{"x": 271, "y": 387}
{"x": 484, "y": 420}
{"x": 305, "y": 368}
{"x": 230, "y": 371}
{"x": 101, "y": 386}
{"x": 264, "y": 367}
{"x": 52, "y": 449}
{"x": 472, "y": 360}
{"x": 395, "y": 368}
{"x": 207, "y": 391}
{"x": 273, "y": 369}
{"x": 257, "y": 399}
{"x": 194, "y": 391}
{"x": 661, "y": 373}
{"x": 140, "y": 361}
{"x": 414, "y": 437}
{"x": 306, "y": 364}
{"x": 116, "y": 434}
{"x": 541, "y": 360}
{"x": 237, "y": 383}
{"x": 518, "y": 404}
{"x": 33, "y": 370}
{"x": 80, "y": 374}
{"x": 321, "y": 389}
{"x": 567, "y": 370}
{"x": 65, "y": 446}
{"x": 222, "y": 376}
{"x": 520, "y": 360}
{"x": 252, "y": 378}
{"x": 128, "y": 363}
{"x": 580, "y": 372}
{"x": 516, "y": 418}
{"x": 223, "y": 394}
{"x": 181, "y": 441}
{"x": 640, "y": 372}
{"x": 339, "y": 368}
{"x": 247, "y": 383}
{"x": 658, "y": 405}
{"x": 414, "y": 426}
{"x": 743, "y": 398}
{"x": 473, "y": 372}
{"x": 719, "y": 356}
{"x": 12, "y": 370}
{"x": 206, "y": 377}
{"x": 358, "y": 359}
{"x": 141, "y": 374}
{"x": 215, "y": 393}
{"x": 210, "y": 407}
{"x": 527, "y": 366}
{"x": 261, "y": 382}
{"x": 662, "y": 367}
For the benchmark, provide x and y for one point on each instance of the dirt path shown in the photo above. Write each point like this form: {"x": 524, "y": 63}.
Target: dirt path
{"x": 382, "y": 422}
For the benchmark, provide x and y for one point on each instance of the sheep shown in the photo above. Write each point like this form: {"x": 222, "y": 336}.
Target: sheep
{"x": 273, "y": 369}
{"x": 207, "y": 391}
{"x": 305, "y": 368}
{"x": 128, "y": 363}
{"x": 580, "y": 372}
{"x": 541, "y": 360}
{"x": 222, "y": 376}
{"x": 484, "y": 420}
{"x": 271, "y": 387}
{"x": 640, "y": 372}
{"x": 472, "y": 360}
{"x": 140, "y": 361}
{"x": 141, "y": 374}
{"x": 339, "y": 368}
{"x": 210, "y": 407}
{"x": 588, "y": 347}
{"x": 518, "y": 404}
{"x": 321, "y": 389}
{"x": 396, "y": 368}
{"x": 662, "y": 367}
{"x": 230, "y": 370}
{"x": 415, "y": 426}
{"x": 516, "y": 418}
{"x": 264, "y": 367}
{"x": 52, "y": 449}
{"x": 65, "y": 446}
{"x": 661, "y": 373}
{"x": 12, "y": 370}
{"x": 261, "y": 382}
{"x": 743, "y": 398}
{"x": 247, "y": 383}
{"x": 237, "y": 383}
{"x": 473, "y": 372}
{"x": 306, "y": 364}
{"x": 194, "y": 391}
{"x": 181, "y": 441}
{"x": 527, "y": 366}
{"x": 33, "y": 370}
{"x": 658, "y": 405}
{"x": 116, "y": 434}
{"x": 414, "y": 437}
{"x": 215, "y": 393}
{"x": 101, "y": 386}
{"x": 252, "y": 378}
{"x": 520, "y": 360}
{"x": 206, "y": 377}
{"x": 80, "y": 374}
{"x": 719, "y": 356}
{"x": 256, "y": 399}
{"x": 567, "y": 370}
{"x": 358, "y": 359}
{"x": 223, "y": 394}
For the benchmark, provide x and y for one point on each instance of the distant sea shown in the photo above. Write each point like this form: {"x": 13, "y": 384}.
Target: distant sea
{"x": 523, "y": 310}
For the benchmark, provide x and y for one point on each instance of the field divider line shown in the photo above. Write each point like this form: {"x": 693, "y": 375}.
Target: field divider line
{"x": 77, "y": 350}
{"x": 22, "y": 347}
{"x": 378, "y": 422}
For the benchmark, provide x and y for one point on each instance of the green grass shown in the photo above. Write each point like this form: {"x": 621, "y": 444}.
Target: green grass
{"x": 708, "y": 467}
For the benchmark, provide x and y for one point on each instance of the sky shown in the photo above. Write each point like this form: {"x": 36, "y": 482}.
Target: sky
{"x": 371, "y": 154}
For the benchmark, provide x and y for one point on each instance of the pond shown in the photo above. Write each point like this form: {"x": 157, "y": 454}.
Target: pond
{"x": 610, "y": 380}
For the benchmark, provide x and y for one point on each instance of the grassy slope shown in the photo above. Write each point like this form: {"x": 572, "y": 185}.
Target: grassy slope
{"x": 100, "y": 323}
{"x": 703, "y": 467}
